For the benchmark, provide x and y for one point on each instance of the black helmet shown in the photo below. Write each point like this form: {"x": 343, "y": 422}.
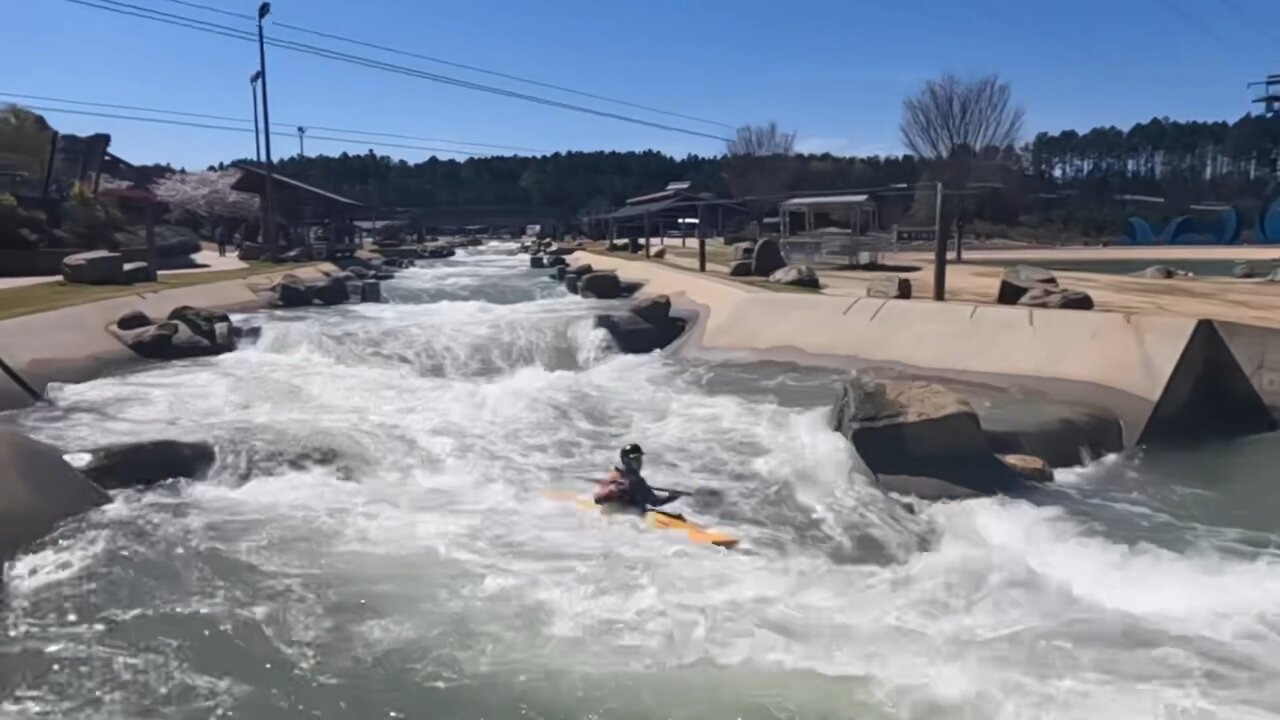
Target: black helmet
{"x": 631, "y": 454}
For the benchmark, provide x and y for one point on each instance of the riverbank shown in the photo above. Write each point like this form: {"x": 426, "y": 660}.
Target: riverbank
{"x": 1167, "y": 378}
{"x": 58, "y": 337}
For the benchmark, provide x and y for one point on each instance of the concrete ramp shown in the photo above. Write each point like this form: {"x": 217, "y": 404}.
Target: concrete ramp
{"x": 1169, "y": 379}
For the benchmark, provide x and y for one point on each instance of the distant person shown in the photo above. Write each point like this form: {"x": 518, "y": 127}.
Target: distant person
{"x": 220, "y": 237}
{"x": 626, "y": 487}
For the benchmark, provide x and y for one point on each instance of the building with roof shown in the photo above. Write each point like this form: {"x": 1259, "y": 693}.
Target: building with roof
{"x": 675, "y": 207}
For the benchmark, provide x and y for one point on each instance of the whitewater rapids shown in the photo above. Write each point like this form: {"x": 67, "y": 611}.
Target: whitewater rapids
{"x": 375, "y": 543}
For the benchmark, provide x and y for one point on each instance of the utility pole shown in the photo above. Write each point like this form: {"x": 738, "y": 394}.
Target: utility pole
{"x": 1270, "y": 102}
{"x": 302, "y": 149}
{"x": 257, "y": 134}
{"x": 268, "y": 212}
{"x": 939, "y": 248}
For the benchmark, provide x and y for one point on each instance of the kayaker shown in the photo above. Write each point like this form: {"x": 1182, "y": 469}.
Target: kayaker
{"x": 627, "y": 487}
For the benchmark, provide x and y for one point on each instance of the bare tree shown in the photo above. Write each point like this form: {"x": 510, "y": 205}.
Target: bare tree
{"x": 950, "y": 114}
{"x": 760, "y": 165}
{"x": 761, "y": 140}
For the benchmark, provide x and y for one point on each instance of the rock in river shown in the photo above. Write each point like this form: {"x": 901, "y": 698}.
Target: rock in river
{"x": 38, "y": 489}
{"x": 1021, "y": 279}
{"x": 600, "y": 285}
{"x": 291, "y": 291}
{"x": 767, "y": 258}
{"x": 143, "y": 464}
{"x": 920, "y": 439}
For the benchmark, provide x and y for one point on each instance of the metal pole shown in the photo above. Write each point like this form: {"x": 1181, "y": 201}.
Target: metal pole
{"x": 257, "y": 132}
{"x": 268, "y": 210}
{"x": 646, "y": 235}
{"x": 939, "y": 248}
{"x": 702, "y": 242}
{"x": 302, "y": 149}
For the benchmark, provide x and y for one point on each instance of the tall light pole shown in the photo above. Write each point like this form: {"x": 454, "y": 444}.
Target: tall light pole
{"x": 302, "y": 149}
{"x": 268, "y": 212}
{"x": 257, "y": 134}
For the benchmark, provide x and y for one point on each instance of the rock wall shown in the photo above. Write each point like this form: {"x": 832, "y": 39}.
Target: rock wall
{"x": 1123, "y": 362}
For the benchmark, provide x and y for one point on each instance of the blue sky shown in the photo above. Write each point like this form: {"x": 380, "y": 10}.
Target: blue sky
{"x": 835, "y": 71}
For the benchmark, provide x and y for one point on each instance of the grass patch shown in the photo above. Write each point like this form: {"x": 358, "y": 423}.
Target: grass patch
{"x": 32, "y": 299}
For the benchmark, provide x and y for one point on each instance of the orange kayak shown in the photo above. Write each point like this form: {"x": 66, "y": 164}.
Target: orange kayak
{"x": 653, "y": 518}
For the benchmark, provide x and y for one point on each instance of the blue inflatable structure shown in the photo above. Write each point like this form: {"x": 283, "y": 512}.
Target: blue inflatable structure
{"x": 1268, "y": 228}
{"x": 1226, "y": 227}
{"x": 1180, "y": 231}
{"x": 1138, "y": 232}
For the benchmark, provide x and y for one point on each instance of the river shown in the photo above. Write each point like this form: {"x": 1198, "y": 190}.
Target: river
{"x": 375, "y": 542}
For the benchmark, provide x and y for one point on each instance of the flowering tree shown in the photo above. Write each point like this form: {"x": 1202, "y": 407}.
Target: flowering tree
{"x": 207, "y": 194}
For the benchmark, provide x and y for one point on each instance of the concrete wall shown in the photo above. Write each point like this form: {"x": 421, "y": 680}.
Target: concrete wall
{"x": 72, "y": 344}
{"x": 1123, "y": 361}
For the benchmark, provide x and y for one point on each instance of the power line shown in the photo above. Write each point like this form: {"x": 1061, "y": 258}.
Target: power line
{"x": 1176, "y": 9}
{"x": 1247, "y": 20}
{"x": 114, "y": 6}
{"x": 450, "y": 63}
{"x": 229, "y": 128}
{"x": 226, "y": 118}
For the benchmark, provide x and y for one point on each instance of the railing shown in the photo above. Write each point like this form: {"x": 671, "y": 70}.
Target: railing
{"x": 837, "y": 248}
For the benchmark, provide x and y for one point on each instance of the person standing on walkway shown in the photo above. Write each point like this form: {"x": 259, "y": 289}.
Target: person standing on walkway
{"x": 220, "y": 237}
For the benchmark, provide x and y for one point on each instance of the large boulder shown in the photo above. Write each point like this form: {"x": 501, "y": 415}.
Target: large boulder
{"x": 920, "y": 439}
{"x": 97, "y": 267}
{"x": 1062, "y": 433}
{"x": 580, "y": 270}
{"x": 654, "y": 310}
{"x": 134, "y": 465}
{"x": 291, "y": 291}
{"x": 632, "y": 334}
{"x": 360, "y": 272}
{"x": 370, "y": 291}
{"x": 1162, "y": 272}
{"x": 1253, "y": 269}
{"x": 537, "y": 261}
{"x": 1021, "y": 279}
{"x": 571, "y": 284}
{"x": 333, "y": 291}
{"x": 600, "y": 285}
{"x": 659, "y": 254}
{"x": 796, "y": 276}
{"x": 557, "y": 261}
{"x": 741, "y": 268}
{"x": 743, "y": 251}
{"x": 38, "y": 489}
{"x": 767, "y": 258}
{"x": 135, "y": 272}
{"x": 1057, "y": 298}
{"x": 213, "y": 326}
{"x": 133, "y": 320}
{"x": 891, "y": 287}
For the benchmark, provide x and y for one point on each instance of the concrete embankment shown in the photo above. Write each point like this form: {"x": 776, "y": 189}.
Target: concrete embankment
{"x": 1169, "y": 379}
{"x": 73, "y": 345}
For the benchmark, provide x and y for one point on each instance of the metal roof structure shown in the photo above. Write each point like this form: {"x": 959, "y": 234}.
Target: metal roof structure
{"x": 254, "y": 181}
{"x": 828, "y": 200}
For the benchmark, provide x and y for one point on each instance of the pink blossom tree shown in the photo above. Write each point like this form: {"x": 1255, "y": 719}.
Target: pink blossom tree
{"x": 207, "y": 194}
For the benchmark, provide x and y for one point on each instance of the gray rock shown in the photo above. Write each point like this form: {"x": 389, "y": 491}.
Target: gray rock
{"x": 659, "y": 253}
{"x": 1274, "y": 276}
{"x": 371, "y": 291}
{"x": 291, "y": 291}
{"x": 331, "y": 292}
{"x": 1246, "y": 270}
{"x": 632, "y": 334}
{"x": 741, "y": 268}
{"x": 890, "y": 287}
{"x": 1021, "y": 279}
{"x": 359, "y": 272}
{"x": 571, "y": 284}
{"x": 919, "y": 438}
{"x": 136, "y": 465}
{"x": 743, "y": 251}
{"x": 796, "y": 276}
{"x": 580, "y": 270}
{"x": 97, "y": 267}
{"x": 38, "y": 490}
{"x": 557, "y": 261}
{"x": 600, "y": 285}
{"x": 1029, "y": 468}
{"x": 133, "y": 320}
{"x": 252, "y": 251}
{"x": 654, "y": 310}
{"x": 135, "y": 272}
{"x": 1058, "y": 298}
{"x": 537, "y": 261}
{"x": 383, "y": 275}
{"x": 1162, "y": 272}
{"x": 767, "y": 258}
{"x": 212, "y": 325}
